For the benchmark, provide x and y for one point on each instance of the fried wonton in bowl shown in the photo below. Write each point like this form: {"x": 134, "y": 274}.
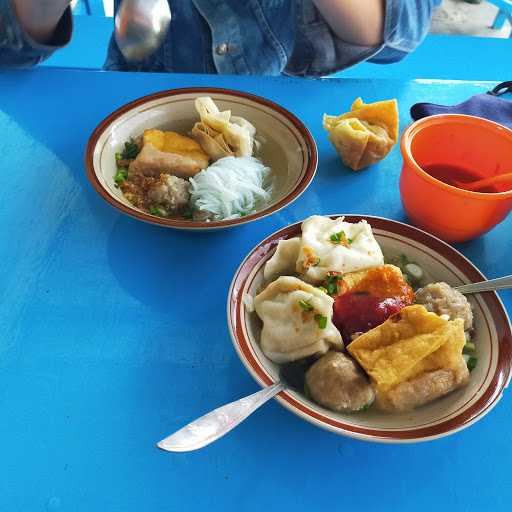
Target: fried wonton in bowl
{"x": 413, "y": 358}
{"x": 366, "y": 134}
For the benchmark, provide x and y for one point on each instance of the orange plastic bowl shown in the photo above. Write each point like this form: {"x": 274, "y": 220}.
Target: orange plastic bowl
{"x": 473, "y": 143}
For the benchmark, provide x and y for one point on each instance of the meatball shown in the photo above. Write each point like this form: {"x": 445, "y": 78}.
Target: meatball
{"x": 169, "y": 193}
{"x": 424, "y": 389}
{"x": 442, "y": 299}
{"x": 338, "y": 383}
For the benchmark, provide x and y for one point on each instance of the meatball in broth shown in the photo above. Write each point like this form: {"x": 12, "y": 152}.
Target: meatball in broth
{"x": 336, "y": 382}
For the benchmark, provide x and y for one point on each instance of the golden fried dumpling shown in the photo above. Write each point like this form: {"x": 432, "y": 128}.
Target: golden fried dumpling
{"x": 413, "y": 357}
{"x": 366, "y": 134}
{"x": 221, "y": 134}
{"x": 165, "y": 152}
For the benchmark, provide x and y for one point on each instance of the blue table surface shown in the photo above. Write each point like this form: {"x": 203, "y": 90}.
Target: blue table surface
{"x": 113, "y": 332}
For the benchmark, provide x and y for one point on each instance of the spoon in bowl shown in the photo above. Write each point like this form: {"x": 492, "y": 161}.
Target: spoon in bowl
{"x": 141, "y": 27}
{"x": 485, "y": 182}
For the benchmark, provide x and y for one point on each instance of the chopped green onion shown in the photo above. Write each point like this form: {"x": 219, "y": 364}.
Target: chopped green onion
{"x": 414, "y": 271}
{"x": 331, "y": 283}
{"x": 121, "y": 175}
{"x": 322, "y": 289}
{"x": 321, "y": 320}
{"x": 130, "y": 151}
{"x": 471, "y": 363}
{"x": 469, "y": 347}
{"x": 119, "y": 156}
{"x": 350, "y": 240}
{"x": 365, "y": 407}
{"x": 155, "y": 210}
{"x": 340, "y": 238}
{"x": 305, "y": 305}
{"x": 188, "y": 215}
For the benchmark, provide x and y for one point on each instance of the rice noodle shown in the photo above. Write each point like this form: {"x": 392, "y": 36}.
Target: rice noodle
{"x": 231, "y": 187}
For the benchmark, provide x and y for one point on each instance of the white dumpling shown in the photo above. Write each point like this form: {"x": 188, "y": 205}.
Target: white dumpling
{"x": 335, "y": 245}
{"x": 297, "y": 320}
{"x": 284, "y": 260}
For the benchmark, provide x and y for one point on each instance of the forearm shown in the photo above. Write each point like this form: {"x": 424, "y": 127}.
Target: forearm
{"x": 355, "y": 21}
{"x": 39, "y": 18}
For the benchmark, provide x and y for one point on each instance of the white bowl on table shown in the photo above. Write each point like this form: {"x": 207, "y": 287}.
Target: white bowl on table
{"x": 287, "y": 147}
{"x": 441, "y": 262}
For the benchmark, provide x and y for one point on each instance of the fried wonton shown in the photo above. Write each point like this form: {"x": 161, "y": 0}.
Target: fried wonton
{"x": 367, "y": 298}
{"x": 220, "y": 134}
{"x": 165, "y": 152}
{"x": 403, "y": 355}
{"x": 366, "y": 134}
{"x": 382, "y": 281}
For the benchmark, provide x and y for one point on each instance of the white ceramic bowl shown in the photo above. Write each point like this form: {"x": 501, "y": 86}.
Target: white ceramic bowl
{"x": 287, "y": 146}
{"x": 493, "y": 339}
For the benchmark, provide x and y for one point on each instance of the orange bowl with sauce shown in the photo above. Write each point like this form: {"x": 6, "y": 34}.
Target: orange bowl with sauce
{"x": 446, "y": 147}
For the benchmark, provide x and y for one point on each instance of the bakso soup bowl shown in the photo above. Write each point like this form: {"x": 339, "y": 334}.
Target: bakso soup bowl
{"x": 285, "y": 145}
{"x": 440, "y": 262}
{"x": 451, "y": 141}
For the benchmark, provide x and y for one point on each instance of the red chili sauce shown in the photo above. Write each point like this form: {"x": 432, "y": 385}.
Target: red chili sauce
{"x": 380, "y": 294}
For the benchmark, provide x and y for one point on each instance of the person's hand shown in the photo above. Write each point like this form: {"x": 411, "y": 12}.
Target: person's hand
{"x": 355, "y": 21}
{"x": 39, "y": 18}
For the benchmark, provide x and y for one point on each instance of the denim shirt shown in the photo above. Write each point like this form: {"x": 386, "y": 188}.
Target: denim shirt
{"x": 233, "y": 37}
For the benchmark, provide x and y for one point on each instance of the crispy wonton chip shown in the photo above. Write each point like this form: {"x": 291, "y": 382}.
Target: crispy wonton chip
{"x": 366, "y": 134}
{"x": 407, "y": 345}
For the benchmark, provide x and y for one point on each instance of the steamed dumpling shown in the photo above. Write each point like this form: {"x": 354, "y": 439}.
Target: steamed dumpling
{"x": 221, "y": 134}
{"x": 329, "y": 245}
{"x": 297, "y": 320}
{"x": 284, "y": 260}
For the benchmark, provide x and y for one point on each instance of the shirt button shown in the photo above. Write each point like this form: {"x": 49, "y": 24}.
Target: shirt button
{"x": 222, "y": 49}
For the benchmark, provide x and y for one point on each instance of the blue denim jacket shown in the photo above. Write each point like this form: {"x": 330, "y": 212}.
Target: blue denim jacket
{"x": 233, "y": 37}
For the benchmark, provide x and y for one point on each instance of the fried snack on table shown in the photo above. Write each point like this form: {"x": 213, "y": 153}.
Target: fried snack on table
{"x": 166, "y": 152}
{"x": 366, "y": 134}
{"x": 413, "y": 358}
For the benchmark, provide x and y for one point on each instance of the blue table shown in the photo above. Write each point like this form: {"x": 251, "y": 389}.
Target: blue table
{"x": 113, "y": 332}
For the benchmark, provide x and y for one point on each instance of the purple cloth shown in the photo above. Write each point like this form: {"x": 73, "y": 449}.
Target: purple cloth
{"x": 488, "y": 105}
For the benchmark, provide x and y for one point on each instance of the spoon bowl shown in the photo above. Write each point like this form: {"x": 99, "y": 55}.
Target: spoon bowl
{"x": 141, "y": 27}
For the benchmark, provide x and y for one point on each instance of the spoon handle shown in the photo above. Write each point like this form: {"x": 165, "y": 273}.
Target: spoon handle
{"x": 215, "y": 424}
{"x": 501, "y": 283}
{"x": 485, "y": 182}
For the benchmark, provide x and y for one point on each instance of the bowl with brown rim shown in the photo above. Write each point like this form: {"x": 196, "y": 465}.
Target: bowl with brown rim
{"x": 287, "y": 147}
{"x": 440, "y": 262}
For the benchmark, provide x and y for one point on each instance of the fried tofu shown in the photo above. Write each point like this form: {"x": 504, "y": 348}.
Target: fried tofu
{"x": 169, "y": 153}
{"x": 407, "y": 348}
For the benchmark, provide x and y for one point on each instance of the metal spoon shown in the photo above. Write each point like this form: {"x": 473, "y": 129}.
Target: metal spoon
{"x": 215, "y": 424}
{"x": 141, "y": 27}
{"x": 500, "y": 283}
